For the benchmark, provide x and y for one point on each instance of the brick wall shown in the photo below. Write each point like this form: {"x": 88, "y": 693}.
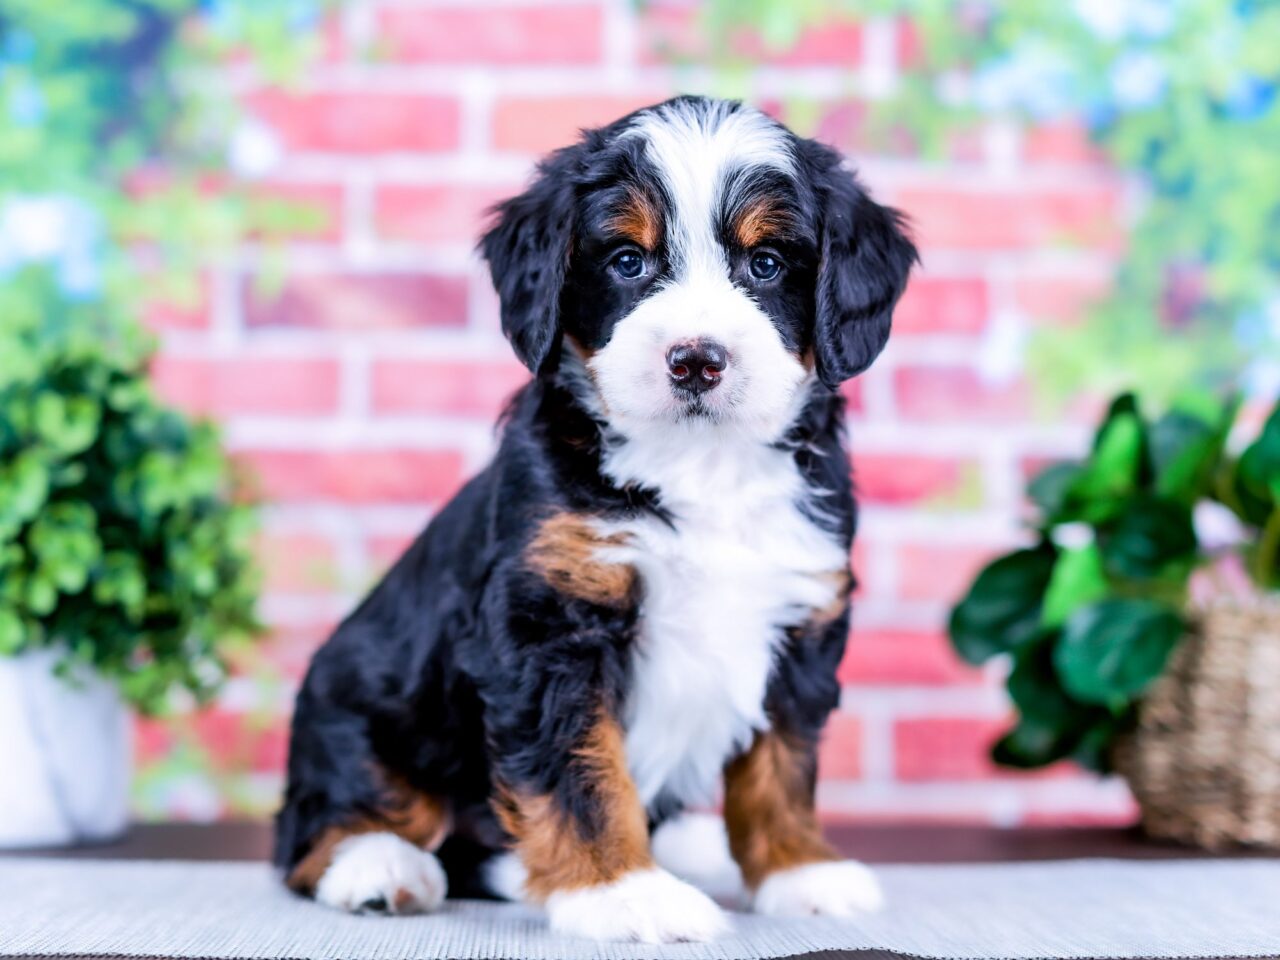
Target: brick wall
{"x": 362, "y": 385}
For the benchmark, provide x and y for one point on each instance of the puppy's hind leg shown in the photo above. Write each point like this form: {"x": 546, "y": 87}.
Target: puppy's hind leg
{"x": 352, "y": 834}
{"x": 380, "y": 862}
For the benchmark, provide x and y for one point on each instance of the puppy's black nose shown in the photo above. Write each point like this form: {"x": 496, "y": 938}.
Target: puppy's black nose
{"x": 697, "y": 365}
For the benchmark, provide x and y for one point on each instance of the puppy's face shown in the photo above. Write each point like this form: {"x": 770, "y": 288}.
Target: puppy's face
{"x": 703, "y": 262}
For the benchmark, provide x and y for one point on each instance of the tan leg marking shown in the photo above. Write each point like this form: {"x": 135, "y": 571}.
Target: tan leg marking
{"x": 768, "y": 809}
{"x": 551, "y": 845}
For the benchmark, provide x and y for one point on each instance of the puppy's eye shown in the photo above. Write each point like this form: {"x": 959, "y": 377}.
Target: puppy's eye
{"x": 628, "y": 264}
{"x": 765, "y": 266}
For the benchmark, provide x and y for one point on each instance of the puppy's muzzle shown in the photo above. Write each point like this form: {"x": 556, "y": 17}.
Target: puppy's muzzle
{"x": 696, "y": 366}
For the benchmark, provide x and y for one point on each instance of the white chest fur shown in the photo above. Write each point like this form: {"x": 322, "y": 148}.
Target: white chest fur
{"x": 739, "y": 563}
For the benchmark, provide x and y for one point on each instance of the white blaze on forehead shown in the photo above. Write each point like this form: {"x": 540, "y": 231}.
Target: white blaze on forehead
{"x": 695, "y": 146}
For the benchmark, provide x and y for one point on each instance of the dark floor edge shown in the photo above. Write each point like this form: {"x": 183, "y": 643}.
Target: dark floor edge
{"x": 816, "y": 955}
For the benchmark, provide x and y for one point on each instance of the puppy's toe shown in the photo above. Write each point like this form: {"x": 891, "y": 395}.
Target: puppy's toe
{"x": 382, "y": 873}
{"x": 835, "y": 889}
{"x": 649, "y": 906}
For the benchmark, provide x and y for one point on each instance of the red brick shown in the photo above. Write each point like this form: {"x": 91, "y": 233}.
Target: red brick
{"x": 289, "y": 649}
{"x": 857, "y": 561}
{"x": 327, "y": 34}
{"x": 945, "y": 748}
{"x": 272, "y": 209}
{"x": 298, "y": 562}
{"x": 361, "y": 123}
{"x": 186, "y": 311}
{"x": 911, "y": 45}
{"x": 844, "y": 125}
{"x": 678, "y": 32}
{"x": 152, "y": 739}
{"x": 904, "y": 479}
{"x": 840, "y": 749}
{"x": 965, "y": 143}
{"x": 552, "y": 35}
{"x": 238, "y": 741}
{"x": 270, "y": 749}
{"x": 1014, "y": 219}
{"x": 357, "y": 476}
{"x": 476, "y": 389}
{"x": 851, "y": 390}
{"x": 360, "y": 301}
{"x": 958, "y": 394}
{"x": 297, "y": 211}
{"x": 1065, "y": 141}
{"x": 435, "y": 214}
{"x": 836, "y": 43}
{"x": 939, "y": 572}
{"x": 1060, "y": 299}
{"x": 247, "y": 385}
{"x": 942, "y": 305}
{"x": 538, "y": 124}
{"x": 904, "y": 657}
{"x": 386, "y": 549}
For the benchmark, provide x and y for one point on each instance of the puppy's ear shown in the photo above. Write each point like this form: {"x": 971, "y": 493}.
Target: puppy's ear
{"x": 865, "y": 258}
{"x": 528, "y": 249}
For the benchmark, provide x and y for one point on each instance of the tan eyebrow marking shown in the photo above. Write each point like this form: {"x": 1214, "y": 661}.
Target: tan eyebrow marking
{"x": 760, "y": 220}
{"x": 638, "y": 220}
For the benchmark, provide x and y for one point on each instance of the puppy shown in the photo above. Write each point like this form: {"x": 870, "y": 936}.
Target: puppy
{"x": 643, "y": 599}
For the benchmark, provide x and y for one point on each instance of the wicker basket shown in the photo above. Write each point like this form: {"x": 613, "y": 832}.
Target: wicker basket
{"x": 1204, "y": 761}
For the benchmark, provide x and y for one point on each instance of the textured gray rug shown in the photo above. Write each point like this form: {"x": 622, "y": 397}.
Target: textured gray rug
{"x": 237, "y": 911}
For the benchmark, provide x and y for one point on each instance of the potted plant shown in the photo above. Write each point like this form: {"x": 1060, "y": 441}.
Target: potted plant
{"x": 125, "y": 565}
{"x": 1133, "y": 646}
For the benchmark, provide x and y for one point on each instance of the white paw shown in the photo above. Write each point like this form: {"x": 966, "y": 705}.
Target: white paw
{"x": 505, "y": 876}
{"x": 382, "y": 873}
{"x": 695, "y": 847}
{"x": 650, "y": 906}
{"x": 837, "y": 889}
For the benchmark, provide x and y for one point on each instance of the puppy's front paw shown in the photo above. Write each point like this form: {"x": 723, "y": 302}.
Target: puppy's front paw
{"x": 650, "y": 906}
{"x": 836, "y": 889}
{"x": 382, "y": 873}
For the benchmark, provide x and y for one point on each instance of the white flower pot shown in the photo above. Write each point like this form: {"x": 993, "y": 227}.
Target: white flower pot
{"x": 65, "y": 755}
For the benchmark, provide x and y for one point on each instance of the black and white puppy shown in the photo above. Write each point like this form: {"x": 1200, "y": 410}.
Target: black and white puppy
{"x": 644, "y": 598}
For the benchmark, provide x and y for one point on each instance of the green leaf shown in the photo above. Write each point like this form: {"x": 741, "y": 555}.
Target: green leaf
{"x": 1093, "y": 752}
{"x": 67, "y": 424}
{"x": 12, "y": 633}
{"x": 1185, "y": 449}
{"x": 1031, "y": 744}
{"x": 24, "y": 487}
{"x": 1050, "y": 490}
{"x": 1111, "y": 650}
{"x": 1257, "y": 476}
{"x": 42, "y": 595}
{"x": 1078, "y": 579}
{"x": 1116, "y": 467}
{"x": 1151, "y": 537}
{"x": 1037, "y": 692}
{"x": 1001, "y": 612}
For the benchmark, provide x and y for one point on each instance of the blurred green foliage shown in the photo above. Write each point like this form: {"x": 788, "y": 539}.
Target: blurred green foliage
{"x": 122, "y": 107}
{"x": 1181, "y": 92}
{"x": 1091, "y": 613}
{"x": 122, "y": 540}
